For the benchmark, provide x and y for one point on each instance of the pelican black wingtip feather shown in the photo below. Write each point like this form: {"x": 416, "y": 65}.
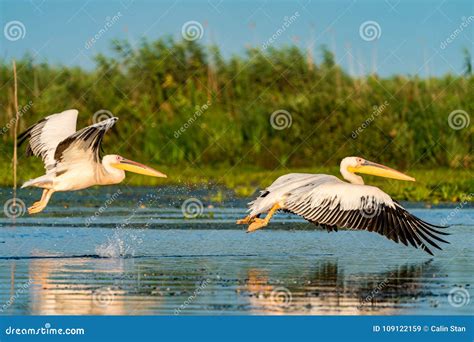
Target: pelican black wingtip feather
{"x": 395, "y": 223}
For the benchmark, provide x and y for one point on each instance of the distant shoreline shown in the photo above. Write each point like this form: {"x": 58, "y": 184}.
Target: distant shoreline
{"x": 433, "y": 186}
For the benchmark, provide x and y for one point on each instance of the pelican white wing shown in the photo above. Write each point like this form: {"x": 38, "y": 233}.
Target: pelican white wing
{"x": 331, "y": 203}
{"x": 84, "y": 145}
{"x": 71, "y": 161}
{"x": 45, "y": 135}
{"x": 280, "y": 189}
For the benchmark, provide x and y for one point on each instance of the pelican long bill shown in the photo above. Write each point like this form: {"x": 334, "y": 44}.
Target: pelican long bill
{"x": 132, "y": 166}
{"x": 375, "y": 169}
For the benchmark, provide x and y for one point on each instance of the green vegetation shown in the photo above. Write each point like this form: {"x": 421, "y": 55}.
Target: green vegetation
{"x": 432, "y": 186}
{"x": 202, "y": 118}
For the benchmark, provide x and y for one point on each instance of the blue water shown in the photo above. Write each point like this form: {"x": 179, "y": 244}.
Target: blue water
{"x": 137, "y": 254}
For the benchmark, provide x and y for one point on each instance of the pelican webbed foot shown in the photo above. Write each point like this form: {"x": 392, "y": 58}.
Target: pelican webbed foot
{"x": 257, "y": 223}
{"x": 246, "y": 220}
{"x": 38, "y": 206}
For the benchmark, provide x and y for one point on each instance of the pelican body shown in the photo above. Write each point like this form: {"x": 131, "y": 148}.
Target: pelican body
{"x": 329, "y": 202}
{"x": 71, "y": 158}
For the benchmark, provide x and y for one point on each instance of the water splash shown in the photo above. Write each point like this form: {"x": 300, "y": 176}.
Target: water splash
{"x": 124, "y": 242}
{"x": 120, "y": 245}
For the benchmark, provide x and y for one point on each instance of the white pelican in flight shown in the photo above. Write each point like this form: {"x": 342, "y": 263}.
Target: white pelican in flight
{"x": 332, "y": 203}
{"x": 71, "y": 158}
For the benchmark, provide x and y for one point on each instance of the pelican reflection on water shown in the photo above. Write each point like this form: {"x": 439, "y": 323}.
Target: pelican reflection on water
{"x": 72, "y": 286}
{"x": 329, "y": 291}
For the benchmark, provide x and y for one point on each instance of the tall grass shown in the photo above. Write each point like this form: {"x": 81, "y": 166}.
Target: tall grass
{"x": 156, "y": 88}
{"x": 15, "y": 131}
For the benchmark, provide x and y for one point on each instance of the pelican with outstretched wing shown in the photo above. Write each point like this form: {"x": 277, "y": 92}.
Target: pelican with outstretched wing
{"x": 332, "y": 203}
{"x": 72, "y": 159}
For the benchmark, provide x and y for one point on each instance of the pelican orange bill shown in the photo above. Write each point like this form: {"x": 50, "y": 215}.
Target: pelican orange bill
{"x": 132, "y": 166}
{"x": 375, "y": 169}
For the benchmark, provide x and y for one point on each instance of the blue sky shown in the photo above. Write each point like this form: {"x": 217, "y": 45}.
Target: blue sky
{"x": 410, "y": 33}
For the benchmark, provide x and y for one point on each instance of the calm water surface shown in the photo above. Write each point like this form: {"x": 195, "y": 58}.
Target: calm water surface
{"x": 135, "y": 254}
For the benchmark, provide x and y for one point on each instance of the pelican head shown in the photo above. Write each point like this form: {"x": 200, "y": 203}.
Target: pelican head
{"x": 352, "y": 165}
{"x": 121, "y": 163}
